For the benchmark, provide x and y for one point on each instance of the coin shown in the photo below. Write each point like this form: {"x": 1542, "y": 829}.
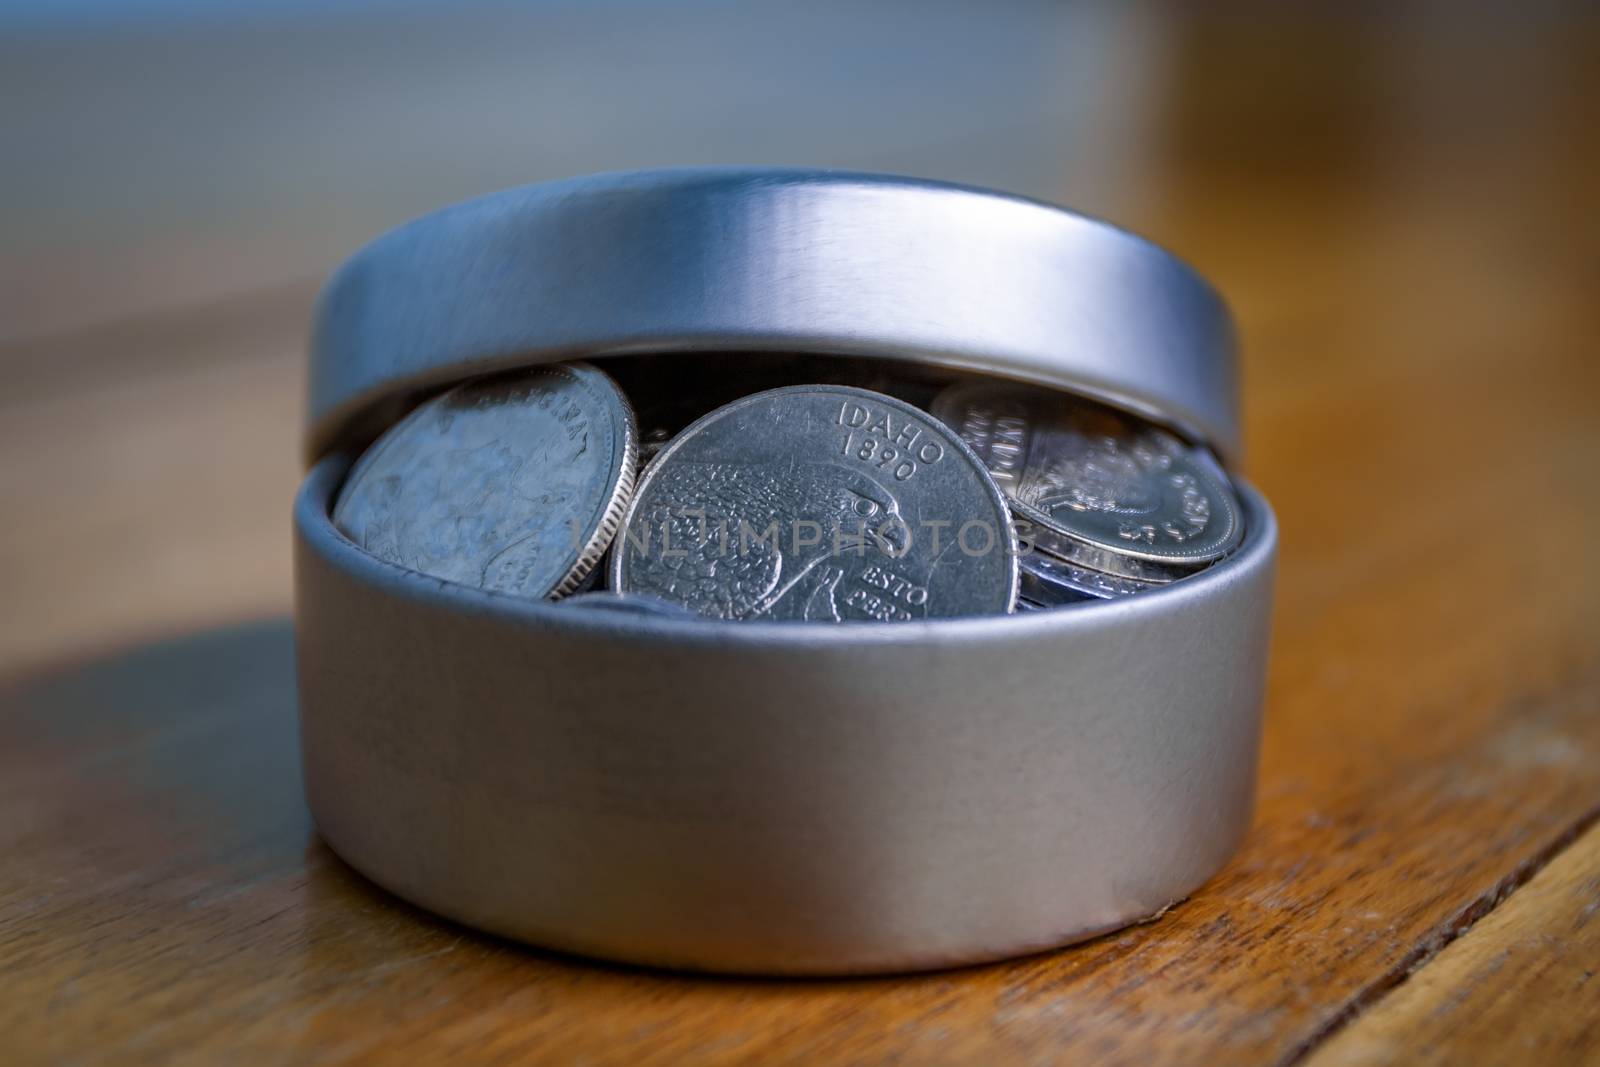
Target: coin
{"x": 512, "y": 484}
{"x": 1097, "y": 487}
{"x": 628, "y": 604}
{"x": 819, "y": 502}
{"x": 1050, "y": 581}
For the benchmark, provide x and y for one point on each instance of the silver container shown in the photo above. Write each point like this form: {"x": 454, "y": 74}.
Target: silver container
{"x": 775, "y": 797}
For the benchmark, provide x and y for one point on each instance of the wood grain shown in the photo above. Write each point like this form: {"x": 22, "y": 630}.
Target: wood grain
{"x": 1520, "y": 987}
{"x": 1408, "y": 245}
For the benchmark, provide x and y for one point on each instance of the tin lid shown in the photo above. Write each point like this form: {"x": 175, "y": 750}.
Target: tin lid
{"x": 770, "y": 260}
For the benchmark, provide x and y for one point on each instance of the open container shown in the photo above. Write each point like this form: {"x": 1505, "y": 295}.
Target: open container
{"x": 770, "y": 797}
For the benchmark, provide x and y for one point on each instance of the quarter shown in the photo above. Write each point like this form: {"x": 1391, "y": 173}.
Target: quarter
{"x": 823, "y": 503}
{"x": 1096, "y": 486}
{"x": 632, "y": 604}
{"x": 513, "y": 484}
{"x": 1051, "y": 581}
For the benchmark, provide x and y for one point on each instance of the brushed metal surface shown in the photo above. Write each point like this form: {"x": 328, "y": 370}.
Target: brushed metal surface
{"x": 778, "y": 797}
{"x": 761, "y": 260}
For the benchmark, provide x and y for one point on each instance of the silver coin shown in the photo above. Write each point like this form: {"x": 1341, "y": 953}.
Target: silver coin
{"x": 1037, "y": 539}
{"x": 819, "y": 502}
{"x": 1096, "y": 486}
{"x": 1051, "y": 581}
{"x": 514, "y": 484}
{"x": 628, "y": 604}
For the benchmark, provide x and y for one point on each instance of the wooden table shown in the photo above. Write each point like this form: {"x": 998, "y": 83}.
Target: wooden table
{"x": 1404, "y": 216}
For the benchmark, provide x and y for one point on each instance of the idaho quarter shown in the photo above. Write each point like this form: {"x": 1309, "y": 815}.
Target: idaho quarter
{"x": 512, "y": 484}
{"x": 819, "y": 502}
{"x": 1104, "y": 489}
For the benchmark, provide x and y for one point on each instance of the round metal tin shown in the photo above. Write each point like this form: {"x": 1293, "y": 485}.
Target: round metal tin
{"x": 758, "y": 260}
{"x": 775, "y": 797}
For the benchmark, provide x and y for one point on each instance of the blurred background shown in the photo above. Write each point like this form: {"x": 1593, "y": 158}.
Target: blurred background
{"x": 169, "y": 151}
{"x": 180, "y": 175}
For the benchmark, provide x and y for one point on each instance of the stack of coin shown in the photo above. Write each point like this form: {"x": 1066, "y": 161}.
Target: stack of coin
{"x": 1107, "y": 504}
{"x": 810, "y": 502}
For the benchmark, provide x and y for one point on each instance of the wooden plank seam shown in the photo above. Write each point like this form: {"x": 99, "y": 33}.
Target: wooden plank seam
{"x": 1458, "y": 926}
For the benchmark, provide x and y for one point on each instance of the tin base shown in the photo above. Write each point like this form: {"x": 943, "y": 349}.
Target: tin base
{"x": 778, "y": 798}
